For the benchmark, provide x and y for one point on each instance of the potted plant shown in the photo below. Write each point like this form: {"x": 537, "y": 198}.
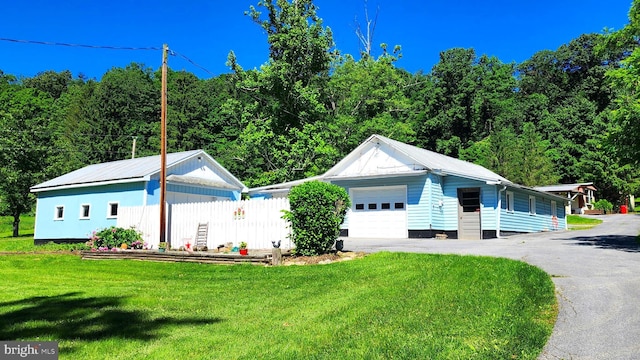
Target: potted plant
{"x": 162, "y": 247}
{"x": 243, "y": 249}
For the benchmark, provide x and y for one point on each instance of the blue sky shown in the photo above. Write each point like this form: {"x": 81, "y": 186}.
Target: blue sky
{"x": 205, "y": 31}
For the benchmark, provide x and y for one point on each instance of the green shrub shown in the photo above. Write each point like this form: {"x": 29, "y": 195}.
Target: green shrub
{"x": 317, "y": 210}
{"x": 114, "y": 237}
{"x": 603, "y": 205}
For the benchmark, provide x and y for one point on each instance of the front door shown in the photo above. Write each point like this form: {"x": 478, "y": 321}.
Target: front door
{"x": 469, "y": 214}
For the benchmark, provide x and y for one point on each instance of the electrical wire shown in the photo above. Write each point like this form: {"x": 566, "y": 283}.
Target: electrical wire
{"x": 55, "y": 43}
{"x": 151, "y": 48}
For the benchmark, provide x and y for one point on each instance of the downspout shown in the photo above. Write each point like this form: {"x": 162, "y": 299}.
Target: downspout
{"x": 504, "y": 187}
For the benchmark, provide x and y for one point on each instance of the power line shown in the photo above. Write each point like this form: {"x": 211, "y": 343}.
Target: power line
{"x": 152, "y": 48}
{"x": 171, "y": 52}
{"x": 55, "y": 43}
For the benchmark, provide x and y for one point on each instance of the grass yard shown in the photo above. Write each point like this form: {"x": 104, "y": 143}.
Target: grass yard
{"x": 577, "y": 222}
{"x": 25, "y": 228}
{"x": 386, "y": 305}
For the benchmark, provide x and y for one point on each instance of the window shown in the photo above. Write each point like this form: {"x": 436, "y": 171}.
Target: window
{"x": 385, "y": 206}
{"x": 112, "y": 210}
{"x": 532, "y": 205}
{"x": 469, "y": 200}
{"x": 373, "y": 206}
{"x": 59, "y": 213}
{"x": 85, "y": 211}
{"x": 399, "y": 205}
{"x": 359, "y": 206}
{"x": 509, "y": 201}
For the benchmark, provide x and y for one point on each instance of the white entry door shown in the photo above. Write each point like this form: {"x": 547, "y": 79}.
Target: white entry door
{"x": 378, "y": 212}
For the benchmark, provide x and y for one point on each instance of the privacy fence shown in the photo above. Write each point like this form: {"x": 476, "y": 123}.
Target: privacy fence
{"x": 256, "y": 222}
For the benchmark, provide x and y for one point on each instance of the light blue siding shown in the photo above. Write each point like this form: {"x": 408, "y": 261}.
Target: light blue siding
{"x": 437, "y": 200}
{"x": 72, "y": 226}
{"x": 488, "y": 202}
{"x": 520, "y": 220}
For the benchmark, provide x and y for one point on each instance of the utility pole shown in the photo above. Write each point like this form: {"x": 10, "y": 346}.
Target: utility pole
{"x": 133, "y": 147}
{"x": 163, "y": 144}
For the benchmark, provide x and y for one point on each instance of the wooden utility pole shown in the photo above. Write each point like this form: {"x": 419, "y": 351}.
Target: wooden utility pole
{"x": 163, "y": 144}
{"x": 133, "y": 147}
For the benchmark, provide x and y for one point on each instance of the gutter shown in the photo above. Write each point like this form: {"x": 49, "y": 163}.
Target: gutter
{"x": 89, "y": 184}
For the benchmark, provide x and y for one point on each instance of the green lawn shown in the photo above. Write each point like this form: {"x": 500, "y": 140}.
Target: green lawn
{"x": 386, "y": 305}
{"x": 25, "y": 228}
{"x": 577, "y": 222}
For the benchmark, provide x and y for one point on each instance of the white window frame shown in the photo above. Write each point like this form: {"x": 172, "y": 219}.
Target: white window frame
{"x": 55, "y": 212}
{"x": 109, "y": 204}
{"x": 509, "y": 202}
{"x": 82, "y": 206}
{"x": 532, "y": 205}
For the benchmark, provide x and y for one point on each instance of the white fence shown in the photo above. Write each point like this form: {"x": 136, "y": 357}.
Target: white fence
{"x": 257, "y": 222}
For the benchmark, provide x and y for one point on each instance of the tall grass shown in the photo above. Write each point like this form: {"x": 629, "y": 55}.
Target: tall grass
{"x": 386, "y": 305}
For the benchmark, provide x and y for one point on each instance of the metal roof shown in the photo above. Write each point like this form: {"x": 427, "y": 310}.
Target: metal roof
{"x": 116, "y": 171}
{"x": 565, "y": 187}
{"x": 431, "y": 161}
{"x": 439, "y": 163}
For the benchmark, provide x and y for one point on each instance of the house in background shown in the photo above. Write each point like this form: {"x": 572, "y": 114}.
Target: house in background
{"x": 402, "y": 191}
{"x": 70, "y": 207}
{"x": 580, "y": 196}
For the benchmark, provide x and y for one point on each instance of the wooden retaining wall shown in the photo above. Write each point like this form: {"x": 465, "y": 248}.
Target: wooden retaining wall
{"x": 179, "y": 256}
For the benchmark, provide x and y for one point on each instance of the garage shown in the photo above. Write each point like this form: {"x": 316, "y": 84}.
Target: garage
{"x": 378, "y": 212}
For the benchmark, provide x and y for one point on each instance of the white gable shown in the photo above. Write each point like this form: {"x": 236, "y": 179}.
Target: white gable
{"x": 377, "y": 159}
{"x": 200, "y": 168}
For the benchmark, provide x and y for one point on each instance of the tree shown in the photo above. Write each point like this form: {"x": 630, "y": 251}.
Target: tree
{"x": 286, "y": 101}
{"x": 625, "y": 80}
{"x": 524, "y": 159}
{"x": 292, "y": 82}
{"x": 368, "y": 96}
{"x": 366, "y": 37}
{"x": 24, "y": 147}
{"x": 124, "y": 104}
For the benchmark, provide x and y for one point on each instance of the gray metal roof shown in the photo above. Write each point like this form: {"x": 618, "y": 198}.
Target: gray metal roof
{"x": 121, "y": 170}
{"x": 564, "y": 187}
{"x": 441, "y": 163}
{"x": 431, "y": 161}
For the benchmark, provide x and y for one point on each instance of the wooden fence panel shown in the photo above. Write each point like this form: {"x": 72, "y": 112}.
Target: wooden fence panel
{"x": 257, "y": 222}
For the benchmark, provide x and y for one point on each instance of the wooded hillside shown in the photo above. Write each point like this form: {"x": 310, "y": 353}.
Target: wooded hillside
{"x": 563, "y": 116}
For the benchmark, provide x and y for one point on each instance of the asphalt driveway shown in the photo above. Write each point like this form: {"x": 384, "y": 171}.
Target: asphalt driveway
{"x": 596, "y": 273}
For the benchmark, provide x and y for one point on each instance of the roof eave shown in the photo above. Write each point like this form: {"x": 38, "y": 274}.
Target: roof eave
{"x": 89, "y": 184}
{"x": 528, "y": 189}
{"x": 377, "y": 176}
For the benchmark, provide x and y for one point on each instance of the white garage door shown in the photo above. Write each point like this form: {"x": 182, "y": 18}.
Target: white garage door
{"x": 378, "y": 212}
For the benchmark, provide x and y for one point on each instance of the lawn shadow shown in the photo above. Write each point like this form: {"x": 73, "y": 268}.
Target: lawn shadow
{"x": 72, "y": 316}
{"x": 626, "y": 243}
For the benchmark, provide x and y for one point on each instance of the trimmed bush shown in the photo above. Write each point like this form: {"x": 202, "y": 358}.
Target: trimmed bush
{"x": 114, "y": 237}
{"x": 603, "y": 205}
{"x": 317, "y": 211}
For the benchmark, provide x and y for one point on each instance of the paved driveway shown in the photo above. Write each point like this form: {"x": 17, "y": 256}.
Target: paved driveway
{"x": 596, "y": 273}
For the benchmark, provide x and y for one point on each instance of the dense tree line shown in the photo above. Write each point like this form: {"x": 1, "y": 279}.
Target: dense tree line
{"x": 562, "y": 116}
